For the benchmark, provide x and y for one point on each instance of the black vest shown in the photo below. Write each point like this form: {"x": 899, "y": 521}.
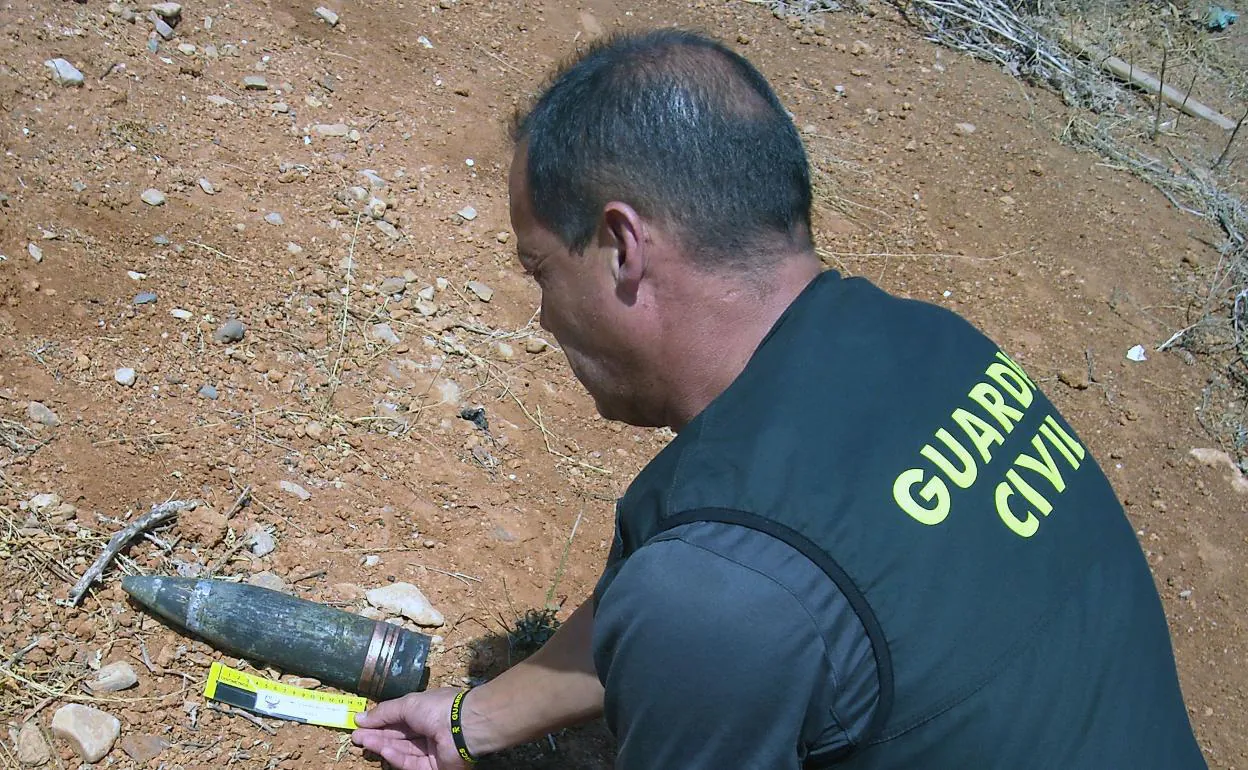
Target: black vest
{"x": 1012, "y": 615}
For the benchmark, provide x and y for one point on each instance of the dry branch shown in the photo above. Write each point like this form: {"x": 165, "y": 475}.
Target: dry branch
{"x": 158, "y": 515}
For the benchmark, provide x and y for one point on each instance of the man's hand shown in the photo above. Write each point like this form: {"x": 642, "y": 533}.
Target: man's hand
{"x": 412, "y": 732}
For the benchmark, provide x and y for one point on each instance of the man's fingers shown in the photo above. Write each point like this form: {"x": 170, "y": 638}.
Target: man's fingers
{"x": 371, "y": 738}
{"x": 384, "y": 714}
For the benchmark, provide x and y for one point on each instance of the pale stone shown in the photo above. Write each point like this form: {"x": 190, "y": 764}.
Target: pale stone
{"x": 88, "y": 731}
{"x": 32, "y": 748}
{"x": 407, "y": 600}
{"x": 114, "y": 677}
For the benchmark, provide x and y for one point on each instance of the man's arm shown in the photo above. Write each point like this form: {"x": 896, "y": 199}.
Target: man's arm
{"x": 553, "y": 688}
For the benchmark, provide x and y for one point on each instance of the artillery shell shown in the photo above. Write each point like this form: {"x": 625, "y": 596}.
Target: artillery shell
{"x": 372, "y": 658}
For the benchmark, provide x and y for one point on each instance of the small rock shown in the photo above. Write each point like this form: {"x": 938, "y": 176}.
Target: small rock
{"x": 125, "y": 376}
{"x": 143, "y": 748}
{"x": 370, "y": 561}
{"x": 442, "y": 283}
{"x": 293, "y": 247}
{"x": 160, "y": 240}
{"x": 181, "y": 315}
{"x": 167, "y": 10}
{"x": 1137, "y": 354}
{"x": 425, "y": 308}
{"x": 153, "y": 197}
{"x": 374, "y": 181}
{"x": 114, "y": 677}
{"x": 262, "y": 543}
{"x": 427, "y": 293}
{"x": 281, "y": 107}
{"x": 390, "y": 230}
{"x": 37, "y": 412}
{"x": 35, "y": 252}
{"x": 32, "y": 748}
{"x": 88, "y": 731}
{"x": 145, "y": 298}
{"x": 274, "y": 218}
{"x": 162, "y": 27}
{"x": 43, "y": 503}
{"x": 206, "y": 186}
{"x": 230, "y": 331}
{"x": 861, "y": 48}
{"x": 535, "y": 344}
{"x": 504, "y": 351}
{"x": 503, "y": 237}
{"x": 64, "y": 73}
{"x": 255, "y": 83}
{"x": 354, "y": 136}
{"x": 483, "y": 292}
{"x": 291, "y": 487}
{"x": 394, "y": 285}
{"x": 331, "y": 129}
{"x": 115, "y": 8}
{"x": 406, "y": 599}
{"x": 203, "y": 525}
{"x": 1077, "y": 379}
{"x": 209, "y": 392}
{"x": 186, "y": 49}
{"x": 965, "y": 129}
{"x": 384, "y": 333}
{"x": 468, "y": 213}
{"x": 376, "y": 208}
{"x": 267, "y": 580}
{"x": 315, "y": 430}
{"x": 328, "y": 16}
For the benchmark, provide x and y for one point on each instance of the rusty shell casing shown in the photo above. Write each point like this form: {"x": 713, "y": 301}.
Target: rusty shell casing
{"x": 372, "y": 658}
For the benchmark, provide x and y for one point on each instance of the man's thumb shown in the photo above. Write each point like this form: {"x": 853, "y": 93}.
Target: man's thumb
{"x": 383, "y": 714}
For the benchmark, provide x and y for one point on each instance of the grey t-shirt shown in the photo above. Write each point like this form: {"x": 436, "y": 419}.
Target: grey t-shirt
{"x": 720, "y": 646}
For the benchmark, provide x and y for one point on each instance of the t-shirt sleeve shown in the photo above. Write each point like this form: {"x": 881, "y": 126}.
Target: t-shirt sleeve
{"x": 707, "y": 663}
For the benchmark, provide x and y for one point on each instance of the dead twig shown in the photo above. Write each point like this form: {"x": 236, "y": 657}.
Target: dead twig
{"x": 153, "y": 518}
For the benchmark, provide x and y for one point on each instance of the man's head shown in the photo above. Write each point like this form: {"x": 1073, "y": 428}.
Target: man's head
{"x": 652, "y": 165}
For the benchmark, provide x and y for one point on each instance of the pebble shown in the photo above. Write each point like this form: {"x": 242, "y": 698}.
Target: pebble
{"x": 504, "y": 351}
{"x": 135, "y": 275}
{"x": 181, "y": 315}
{"x": 162, "y": 27}
{"x": 390, "y": 230}
{"x": 35, "y": 252}
{"x": 427, "y": 294}
{"x": 209, "y": 392}
{"x": 216, "y": 100}
{"x": 205, "y": 185}
{"x": 315, "y": 430}
{"x": 143, "y": 748}
{"x": 966, "y": 129}
{"x": 393, "y": 285}
{"x": 114, "y": 677}
{"x": 468, "y": 213}
{"x": 32, "y": 748}
{"x": 385, "y": 334}
{"x": 281, "y": 107}
{"x": 483, "y": 292}
{"x": 186, "y": 49}
{"x": 376, "y": 208}
{"x": 331, "y": 129}
{"x": 167, "y": 10}
{"x": 125, "y": 376}
{"x": 442, "y": 283}
{"x": 37, "y": 412}
{"x": 255, "y": 83}
{"x": 230, "y": 331}
{"x": 535, "y": 344}
{"x": 425, "y": 308}
{"x": 407, "y": 600}
{"x": 145, "y": 298}
{"x": 88, "y": 731}
{"x": 328, "y": 16}
{"x": 274, "y": 218}
{"x": 153, "y": 197}
{"x": 64, "y": 73}
{"x": 160, "y": 240}
{"x": 374, "y": 181}
{"x": 861, "y": 48}
{"x": 291, "y": 487}
{"x": 267, "y": 580}
{"x": 372, "y": 560}
{"x": 44, "y": 502}
{"x": 503, "y": 236}
{"x": 262, "y": 542}
{"x": 293, "y": 247}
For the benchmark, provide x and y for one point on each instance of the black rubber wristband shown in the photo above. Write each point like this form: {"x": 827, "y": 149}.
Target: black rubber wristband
{"x": 457, "y": 728}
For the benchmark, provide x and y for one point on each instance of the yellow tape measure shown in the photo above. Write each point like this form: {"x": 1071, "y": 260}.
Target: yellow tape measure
{"x": 282, "y": 701}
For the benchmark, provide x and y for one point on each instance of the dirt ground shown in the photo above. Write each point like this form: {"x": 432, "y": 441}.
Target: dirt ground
{"x": 1066, "y": 262}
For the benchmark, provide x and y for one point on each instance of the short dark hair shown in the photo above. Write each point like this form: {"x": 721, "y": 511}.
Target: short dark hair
{"x": 681, "y": 128}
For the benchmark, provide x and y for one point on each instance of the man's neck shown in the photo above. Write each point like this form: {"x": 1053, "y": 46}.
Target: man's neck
{"x": 718, "y": 327}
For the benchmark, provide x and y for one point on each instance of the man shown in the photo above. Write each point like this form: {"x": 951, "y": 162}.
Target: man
{"x": 873, "y": 543}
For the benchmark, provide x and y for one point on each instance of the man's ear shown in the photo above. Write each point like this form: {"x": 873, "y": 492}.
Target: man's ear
{"x": 624, "y": 235}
